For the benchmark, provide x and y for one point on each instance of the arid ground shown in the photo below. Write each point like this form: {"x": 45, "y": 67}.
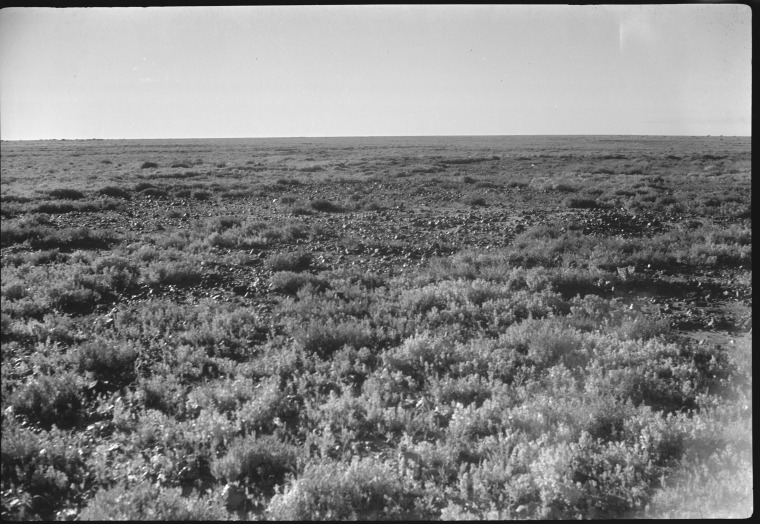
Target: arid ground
{"x": 377, "y": 328}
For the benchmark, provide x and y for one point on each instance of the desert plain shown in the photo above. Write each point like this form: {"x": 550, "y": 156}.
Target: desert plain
{"x": 511, "y": 327}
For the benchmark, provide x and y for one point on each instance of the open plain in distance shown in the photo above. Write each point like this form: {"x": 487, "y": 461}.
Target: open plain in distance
{"x": 377, "y": 328}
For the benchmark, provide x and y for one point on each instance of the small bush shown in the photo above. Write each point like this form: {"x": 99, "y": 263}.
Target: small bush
{"x": 564, "y": 188}
{"x": 289, "y": 182}
{"x": 147, "y": 501}
{"x": 66, "y": 194}
{"x": 72, "y": 299}
{"x": 176, "y": 273}
{"x": 325, "y": 206}
{"x": 260, "y": 461}
{"x": 111, "y": 363}
{"x": 148, "y": 165}
{"x": 301, "y": 211}
{"x": 290, "y": 282}
{"x": 115, "y": 192}
{"x": 49, "y": 399}
{"x": 154, "y": 192}
{"x": 581, "y": 203}
{"x": 325, "y": 337}
{"x": 298, "y": 261}
{"x": 201, "y": 195}
{"x": 365, "y": 490}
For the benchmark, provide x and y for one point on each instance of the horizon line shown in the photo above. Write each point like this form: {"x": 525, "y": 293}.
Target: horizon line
{"x": 372, "y": 136}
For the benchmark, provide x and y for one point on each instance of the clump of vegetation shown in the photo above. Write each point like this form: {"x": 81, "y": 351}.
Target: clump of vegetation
{"x": 66, "y": 194}
{"x": 155, "y": 192}
{"x": 115, "y": 192}
{"x": 290, "y": 282}
{"x": 325, "y": 206}
{"x": 149, "y": 165}
{"x": 365, "y": 490}
{"x": 49, "y": 399}
{"x": 289, "y": 182}
{"x": 581, "y": 203}
{"x": 201, "y": 195}
{"x": 148, "y": 502}
{"x": 296, "y": 261}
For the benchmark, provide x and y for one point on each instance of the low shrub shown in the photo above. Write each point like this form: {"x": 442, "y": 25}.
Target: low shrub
{"x": 148, "y": 165}
{"x": 301, "y": 211}
{"x": 325, "y": 206}
{"x": 296, "y": 261}
{"x": 45, "y": 466}
{"x": 147, "y": 501}
{"x": 290, "y": 282}
{"x": 115, "y": 192}
{"x": 112, "y": 364}
{"x": 581, "y": 203}
{"x": 66, "y": 194}
{"x": 49, "y": 399}
{"x": 178, "y": 273}
{"x": 365, "y": 490}
{"x": 289, "y": 182}
{"x": 325, "y": 337}
{"x": 261, "y": 462}
{"x": 154, "y": 192}
{"x": 71, "y": 298}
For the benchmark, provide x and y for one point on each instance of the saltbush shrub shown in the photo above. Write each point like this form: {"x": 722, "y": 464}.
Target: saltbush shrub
{"x": 201, "y": 195}
{"x": 115, "y": 192}
{"x": 325, "y": 206}
{"x": 261, "y": 462}
{"x": 290, "y": 282}
{"x": 50, "y": 399}
{"x": 325, "y": 336}
{"x": 364, "y": 490}
{"x": 295, "y": 261}
{"x": 172, "y": 273}
{"x": 581, "y": 203}
{"x": 112, "y": 364}
{"x": 66, "y": 194}
{"x": 147, "y": 501}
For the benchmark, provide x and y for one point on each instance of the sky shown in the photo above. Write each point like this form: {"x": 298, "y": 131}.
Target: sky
{"x": 385, "y": 70}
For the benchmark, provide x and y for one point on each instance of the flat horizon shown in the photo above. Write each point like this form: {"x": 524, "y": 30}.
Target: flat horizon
{"x": 375, "y": 136}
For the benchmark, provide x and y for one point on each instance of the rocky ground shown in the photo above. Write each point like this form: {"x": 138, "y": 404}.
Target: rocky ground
{"x": 706, "y": 303}
{"x": 405, "y": 201}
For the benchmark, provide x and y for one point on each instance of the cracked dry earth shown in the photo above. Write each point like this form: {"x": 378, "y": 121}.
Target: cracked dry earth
{"x": 404, "y": 202}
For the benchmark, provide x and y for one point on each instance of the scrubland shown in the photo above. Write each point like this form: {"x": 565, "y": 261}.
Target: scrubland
{"x": 378, "y": 328}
